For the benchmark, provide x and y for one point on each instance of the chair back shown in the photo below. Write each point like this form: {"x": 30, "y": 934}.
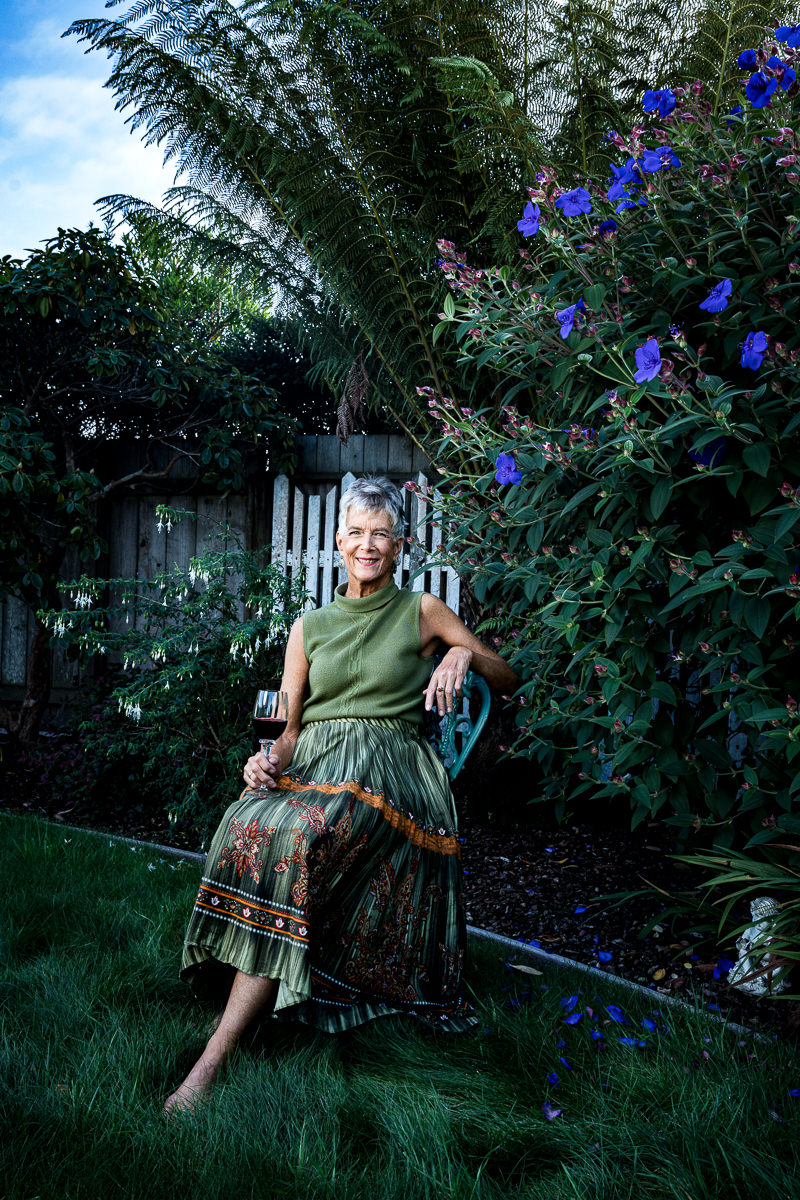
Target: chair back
{"x": 454, "y": 736}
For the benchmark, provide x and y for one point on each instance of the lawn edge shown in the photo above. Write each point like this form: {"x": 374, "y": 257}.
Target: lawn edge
{"x": 542, "y": 957}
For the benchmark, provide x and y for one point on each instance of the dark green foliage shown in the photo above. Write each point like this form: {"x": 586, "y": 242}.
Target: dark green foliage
{"x": 195, "y": 644}
{"x": 644, "y": 572}
{"x": 271, "y": 350}
{"x": 95, "y": 349}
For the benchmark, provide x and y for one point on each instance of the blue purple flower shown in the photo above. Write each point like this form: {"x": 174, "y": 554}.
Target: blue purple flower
{"x": 785, "y": 74}
{"x": 607, "y": 227}
{"x": 567, "y": 317}
{"x": 747, "y": 60}
{"x": 661, "y": 158}
{"x": 789, "y": 34}
{"x": 753, "y": 349}
{"x": 575, "y": 202}
{"x": 662, "y": 99}
{"x": 550, "y": 1112}
{"x": 507, "y": 470}
{"x": 717, "y": 299}
{"x": 648, "y": 361}
{"x": 553, "y": 1079}
{"x": 736, "y": 113}
{"x": 723, "y": 967}
{"x": 529, "y": 225}
{"x": 759, "y": 89}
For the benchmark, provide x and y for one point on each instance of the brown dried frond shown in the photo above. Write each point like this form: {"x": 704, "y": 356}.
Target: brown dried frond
{"x": 355, "y": 389}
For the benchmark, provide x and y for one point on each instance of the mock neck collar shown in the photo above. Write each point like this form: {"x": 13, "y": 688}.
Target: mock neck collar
{"x": 361, "y": 604}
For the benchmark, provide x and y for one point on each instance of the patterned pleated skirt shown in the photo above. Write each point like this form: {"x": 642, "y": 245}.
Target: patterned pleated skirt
{"x": 344, "y": 884}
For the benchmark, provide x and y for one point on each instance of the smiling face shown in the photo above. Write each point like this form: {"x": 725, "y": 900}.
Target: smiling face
{"x": 369, "y": 548}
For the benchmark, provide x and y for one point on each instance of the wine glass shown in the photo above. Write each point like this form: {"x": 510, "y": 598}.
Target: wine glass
{"x": 270, "y": 716}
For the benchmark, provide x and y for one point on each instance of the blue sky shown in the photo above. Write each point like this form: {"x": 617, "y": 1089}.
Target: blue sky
{"x": 62, "y": 144}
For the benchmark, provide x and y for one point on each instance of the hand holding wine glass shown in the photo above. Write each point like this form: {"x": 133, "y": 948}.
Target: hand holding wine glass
{"x": 270, "y": 717}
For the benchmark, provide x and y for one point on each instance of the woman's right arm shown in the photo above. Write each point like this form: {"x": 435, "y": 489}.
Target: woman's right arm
{"x": 260, "y": 770}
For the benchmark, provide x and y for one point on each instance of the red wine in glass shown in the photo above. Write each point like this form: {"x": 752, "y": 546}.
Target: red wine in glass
{"x": 270, "y": 716}
{"x": 268, "y": 729}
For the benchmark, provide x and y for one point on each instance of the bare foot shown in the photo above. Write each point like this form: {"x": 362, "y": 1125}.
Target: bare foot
{"x": 197, "y": 1085}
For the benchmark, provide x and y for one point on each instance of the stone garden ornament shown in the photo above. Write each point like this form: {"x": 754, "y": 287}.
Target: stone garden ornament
{"x": 752, "y": 954}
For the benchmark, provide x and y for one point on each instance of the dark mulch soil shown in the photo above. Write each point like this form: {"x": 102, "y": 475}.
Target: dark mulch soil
{"x": 527, "y": 883}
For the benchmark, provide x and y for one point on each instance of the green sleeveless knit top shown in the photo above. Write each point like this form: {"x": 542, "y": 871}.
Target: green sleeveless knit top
{"x": 364, "y": 657}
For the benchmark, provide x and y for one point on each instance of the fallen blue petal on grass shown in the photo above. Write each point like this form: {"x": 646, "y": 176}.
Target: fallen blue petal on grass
{"x": 564, "y": 1063}
{"x": 553, "y": 1079}
{"x": 605, "y": 955}
{"x": 597, "y": 1035}
{"x": 569, "y": 1002}
{"x": 550, "y": 1112}
{"x": 649, "y": 1024}
{"x": 616, "y": 1014}
{"x": 794, "y": 1093}
{"x": 631, "y": 1041}
{"x": 573, "y": 1018}
{"x": 581, "y": 908}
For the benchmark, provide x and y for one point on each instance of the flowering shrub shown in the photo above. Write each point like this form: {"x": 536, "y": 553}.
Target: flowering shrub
{"x": 627, "y": 507}
{"x": 193, "y": 646}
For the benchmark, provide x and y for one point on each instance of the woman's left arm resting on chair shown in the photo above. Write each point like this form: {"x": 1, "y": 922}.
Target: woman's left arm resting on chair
{"x": 438, "y": 623}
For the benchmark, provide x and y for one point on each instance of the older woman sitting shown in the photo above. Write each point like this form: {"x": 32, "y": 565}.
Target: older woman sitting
{"x": 334, "y": 896}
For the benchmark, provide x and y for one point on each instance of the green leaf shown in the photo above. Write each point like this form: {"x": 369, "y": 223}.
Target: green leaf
{"x": 659, "y": 497}
{"x": 661, "y": 690}
{"x": 560, "y": 372}
{"x": 757, "y": 457}
{"x": 756, "y": 615}
{"x": 594, "y": 296}
{"x": 449, "y": 305}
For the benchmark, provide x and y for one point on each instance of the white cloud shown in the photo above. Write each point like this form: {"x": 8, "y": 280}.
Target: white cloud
{"x": 62, "y": 146}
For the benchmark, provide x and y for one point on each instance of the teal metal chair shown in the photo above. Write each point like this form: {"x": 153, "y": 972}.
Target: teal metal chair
{"x": 453, "y": 736}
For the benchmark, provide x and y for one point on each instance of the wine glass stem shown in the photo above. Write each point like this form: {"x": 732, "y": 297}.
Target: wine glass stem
{"x": 266, "y": 746}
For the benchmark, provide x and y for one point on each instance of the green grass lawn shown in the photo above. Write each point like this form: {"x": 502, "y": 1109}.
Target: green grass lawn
{"x": 97, "y": 1030}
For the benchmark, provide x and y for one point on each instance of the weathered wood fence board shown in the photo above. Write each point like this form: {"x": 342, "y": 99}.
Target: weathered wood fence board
{"x": 299, "y": 518}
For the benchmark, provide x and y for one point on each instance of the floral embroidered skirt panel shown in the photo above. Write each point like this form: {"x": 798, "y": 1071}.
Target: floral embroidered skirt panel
{"x": 344, "y": 884}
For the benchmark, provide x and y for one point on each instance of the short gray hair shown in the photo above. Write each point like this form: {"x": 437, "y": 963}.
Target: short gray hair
{"x": 374, "y": 494}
